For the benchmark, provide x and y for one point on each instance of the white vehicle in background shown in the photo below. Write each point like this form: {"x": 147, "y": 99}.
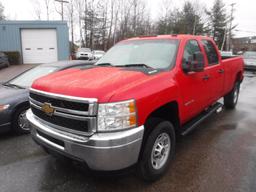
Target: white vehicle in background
{"x": 250, "y": 60}
{"x": 98, "y": 54}
{"x": 226, "y": 53}
{"x": 84, "y": 54}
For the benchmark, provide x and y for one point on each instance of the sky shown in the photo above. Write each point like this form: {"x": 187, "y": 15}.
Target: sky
{"x": 245, "y": 14}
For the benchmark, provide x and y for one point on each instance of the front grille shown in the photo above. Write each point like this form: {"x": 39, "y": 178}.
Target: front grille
{"x": 71, "y": 114}
{"x": 60, "y": 103}
{"x": 73, "y": 124}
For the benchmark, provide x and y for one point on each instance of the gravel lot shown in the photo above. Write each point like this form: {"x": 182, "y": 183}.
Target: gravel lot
{"x": 219, "y": 156}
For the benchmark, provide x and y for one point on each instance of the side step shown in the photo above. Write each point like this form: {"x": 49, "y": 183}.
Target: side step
{"x": 191, "y": 125}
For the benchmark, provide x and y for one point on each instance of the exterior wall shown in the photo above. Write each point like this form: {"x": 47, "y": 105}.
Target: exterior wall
{"x": 10, "y": 35}
{"x": 244, "y": 44}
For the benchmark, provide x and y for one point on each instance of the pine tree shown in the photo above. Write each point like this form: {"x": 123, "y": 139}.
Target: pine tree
{"x": 190, "y": 20}
{"x": 218, "y": 21}
{"x": 184, "y": 21}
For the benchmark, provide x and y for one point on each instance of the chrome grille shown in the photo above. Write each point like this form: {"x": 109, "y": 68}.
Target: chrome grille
{"x": 72, "y": 114}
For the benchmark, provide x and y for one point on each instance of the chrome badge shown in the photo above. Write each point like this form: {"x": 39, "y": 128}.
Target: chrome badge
{"x": 48, "y": 109}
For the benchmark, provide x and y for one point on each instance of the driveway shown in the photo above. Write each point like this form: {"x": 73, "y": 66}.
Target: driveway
{"x": 219, "y": 156}
{"x": 10, "y": 72}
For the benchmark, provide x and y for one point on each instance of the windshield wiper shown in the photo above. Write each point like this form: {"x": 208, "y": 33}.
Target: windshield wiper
{"x": 136, "y": 65}
{"x": 104, "y": 64}
{"x": 13, "y": 85}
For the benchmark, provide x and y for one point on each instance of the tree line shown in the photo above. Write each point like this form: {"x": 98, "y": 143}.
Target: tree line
{"x": 99, "y": 24}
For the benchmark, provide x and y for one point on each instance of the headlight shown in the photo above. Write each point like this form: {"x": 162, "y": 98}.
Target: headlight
{"x": 117, "y": 116}
{"x": 4, "y": 107}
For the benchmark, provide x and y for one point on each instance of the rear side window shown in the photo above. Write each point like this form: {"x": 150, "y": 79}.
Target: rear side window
{"x": 191, "y": 48}
{"x": 211, "y": 52}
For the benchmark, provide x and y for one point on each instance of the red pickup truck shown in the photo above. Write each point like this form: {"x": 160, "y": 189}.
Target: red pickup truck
{"x": 129, "y": 107}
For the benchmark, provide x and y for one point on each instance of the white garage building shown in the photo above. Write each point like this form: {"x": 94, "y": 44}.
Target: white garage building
{"x": 37, "y": 41}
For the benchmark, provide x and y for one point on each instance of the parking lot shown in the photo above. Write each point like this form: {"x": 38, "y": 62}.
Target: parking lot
{"x": 218, "y": 156}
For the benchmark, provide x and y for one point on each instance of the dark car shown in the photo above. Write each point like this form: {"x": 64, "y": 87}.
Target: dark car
{"x": 3, "y": 60}
{"x": 14, "y": 94}
{"x": 250, "y": 60}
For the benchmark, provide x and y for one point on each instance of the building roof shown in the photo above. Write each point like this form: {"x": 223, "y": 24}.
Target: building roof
{"x": 32, "y": 22}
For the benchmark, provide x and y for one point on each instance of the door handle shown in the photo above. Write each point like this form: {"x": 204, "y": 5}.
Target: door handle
{"x": 206, "y": 77}
{"x": 221, "y": 71}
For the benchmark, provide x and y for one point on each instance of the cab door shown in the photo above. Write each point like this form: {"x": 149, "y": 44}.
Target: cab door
{"x": 215, "y": 69}
{"x": 193, "y": 85}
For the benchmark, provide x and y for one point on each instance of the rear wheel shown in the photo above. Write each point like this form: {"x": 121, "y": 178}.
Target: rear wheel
{"x": 231, "y": 99}
{"x": 158, "y": 151}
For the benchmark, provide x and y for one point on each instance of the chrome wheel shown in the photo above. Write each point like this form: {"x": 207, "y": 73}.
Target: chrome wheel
{"x": 160, "y": 151}
{"x": 236, "y": 93}
{"x": 22, "y": 121}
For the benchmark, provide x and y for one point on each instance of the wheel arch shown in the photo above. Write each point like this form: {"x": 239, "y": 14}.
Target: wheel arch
{"x": 239, "y": 76}
{"x": 18, "y": 106}
{"x": 168, "y": 112}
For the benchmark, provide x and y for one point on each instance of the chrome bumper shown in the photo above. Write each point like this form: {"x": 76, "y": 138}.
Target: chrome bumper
{"x": 101, "y": 151}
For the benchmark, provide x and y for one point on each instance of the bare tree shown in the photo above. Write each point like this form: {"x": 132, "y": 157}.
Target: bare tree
{"x": 37, "y": 9}
{"x": 71, "y": 17}
{"x": 2, "y": 16}
{"x": 112, "y": 9}
{"x": 60, "y": 7}
{"x": 47, "y": 7}
{"x": 79, "y": 5}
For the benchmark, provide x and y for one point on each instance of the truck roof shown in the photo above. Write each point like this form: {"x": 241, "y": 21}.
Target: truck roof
{"x": 170, "y": 36}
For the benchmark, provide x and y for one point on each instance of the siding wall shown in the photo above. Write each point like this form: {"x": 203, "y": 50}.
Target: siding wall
{"x": 10, "y": 35}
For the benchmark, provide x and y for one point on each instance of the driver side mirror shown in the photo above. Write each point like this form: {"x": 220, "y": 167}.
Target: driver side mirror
{"x": 194, "y": 63}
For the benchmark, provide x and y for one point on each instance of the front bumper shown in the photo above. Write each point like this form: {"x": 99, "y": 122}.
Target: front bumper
{"x": 101, "y": 151}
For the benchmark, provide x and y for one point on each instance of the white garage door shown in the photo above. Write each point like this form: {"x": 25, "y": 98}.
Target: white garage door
{"x": 39, "y": 45}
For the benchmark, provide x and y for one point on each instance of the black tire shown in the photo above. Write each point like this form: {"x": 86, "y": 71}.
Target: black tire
{"x": 16, "y": 124}
{"x": 231, "y": 99}
{"x": 146, "y": 165}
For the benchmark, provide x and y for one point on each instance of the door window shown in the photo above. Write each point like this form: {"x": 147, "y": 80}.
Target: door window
{"x": 191, "y": 48}
{"x": 211, "y": 52}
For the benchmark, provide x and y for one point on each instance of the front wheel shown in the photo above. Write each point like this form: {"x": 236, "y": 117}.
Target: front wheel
{"x": 158, "y": 151}
{"x": 231, "y": 99}
{"x": 20, "y": 123}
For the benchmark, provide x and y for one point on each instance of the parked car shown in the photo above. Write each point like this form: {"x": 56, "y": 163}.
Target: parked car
{"x": 84, "y": 54}
{"x": 3, "y": 60}
{"x": 129, "y": 108}
{"x": 250, "y": 60}
{"x": 98, "y": 54}
{"x": 14, "y": 94}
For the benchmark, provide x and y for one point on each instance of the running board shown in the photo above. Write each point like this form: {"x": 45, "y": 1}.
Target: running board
{"x": 191, "y": 125}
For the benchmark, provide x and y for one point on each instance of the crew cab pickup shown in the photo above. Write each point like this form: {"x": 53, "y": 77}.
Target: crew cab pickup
{"x": 129, "y": 107}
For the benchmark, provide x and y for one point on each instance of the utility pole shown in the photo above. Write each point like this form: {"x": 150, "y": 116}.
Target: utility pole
{"x": 230, "y": 27}
{"x": 194, "y": 26}
{"x": 224, "y": 38}
{"x": 62, "y": 7}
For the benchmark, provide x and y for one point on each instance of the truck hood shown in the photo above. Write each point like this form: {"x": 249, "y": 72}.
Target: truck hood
{"x": 97, "y": 82}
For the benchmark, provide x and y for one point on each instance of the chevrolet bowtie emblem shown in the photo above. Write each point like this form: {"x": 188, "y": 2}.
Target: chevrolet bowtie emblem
{"x": 48, "y": 109}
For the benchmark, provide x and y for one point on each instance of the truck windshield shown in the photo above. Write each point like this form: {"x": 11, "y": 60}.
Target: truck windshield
{"x": 157, "y": 54}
